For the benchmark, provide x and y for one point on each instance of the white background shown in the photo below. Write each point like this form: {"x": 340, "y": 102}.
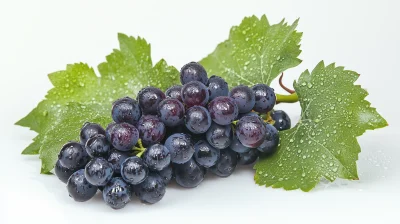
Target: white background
{"x": 40, "y": 37}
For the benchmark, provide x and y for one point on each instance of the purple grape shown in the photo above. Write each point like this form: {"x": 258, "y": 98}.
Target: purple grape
{"x": 134, "y": 170}
{"x": 265, "y": 98}
{"x": 126, "y": 110}
{"x": 282, "y": 120}
{"x": 116, "y": 158}
{"x": 123, "y": 136}
{"x": 62, "y": 172}
{"x": 79, "y": 188}
{"x": 89, "y": 130}
{"x": 166, "y": 174}
{"x": 180, "y": 146}
{"x": 271, "y": 141}
{"x": 188, "y": 174}
{"x": 226, "y": 164}
{"x": 219, "y": 136}
{"x": 223, "y": 110}
{"x": 195, "y": 93}
{"x": 237, "y": 146}
{"x": 98, "y": 171}
{"x": 174, "y": 92}
{"x": 98, "y": 146}
{"x": 73, "y": 156}
{"x": 251, "y": 131}
{"x": 193, "y": 71}
{"x": 244, "y": 98}
{"x": 249, "y": 157}
{"x": 151, "y": 130}
{"x": 217, "y": 86}
{"x": 205, "y": 155}
{"x": 157, "y": 157}
{"x": 171, "y": 112}
{"x": 151, "y": 190}
{"x": 197, "y": 119}
{"x": 117, "y": 193}
{"x": 149, "y": 98}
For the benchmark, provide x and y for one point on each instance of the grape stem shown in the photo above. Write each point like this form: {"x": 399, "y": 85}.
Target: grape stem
{"x": 284, "y": 87}
{"x": 292, "y": 98}
{"x": 139, "y": 149}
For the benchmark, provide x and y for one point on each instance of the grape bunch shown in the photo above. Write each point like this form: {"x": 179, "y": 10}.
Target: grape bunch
{"x": 181, "y": 134}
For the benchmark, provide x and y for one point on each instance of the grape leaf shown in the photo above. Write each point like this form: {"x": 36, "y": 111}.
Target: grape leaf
{"x": 255, "y": 52}
{"x": 124, "y": 73}
{"x": 324, "y": 142}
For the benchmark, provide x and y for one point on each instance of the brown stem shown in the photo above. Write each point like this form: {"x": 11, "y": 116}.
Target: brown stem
{"x": 284, "y": 87}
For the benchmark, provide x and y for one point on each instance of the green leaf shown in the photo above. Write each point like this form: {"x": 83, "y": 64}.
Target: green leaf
{"x": 125, "y": 72}
{"x": 255, "y": 52}
{"x": 324, "y": 142}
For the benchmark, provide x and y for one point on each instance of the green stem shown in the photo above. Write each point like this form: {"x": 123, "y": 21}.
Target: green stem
{"x": 140, "y": 149}
{"x": 292, "y": 98}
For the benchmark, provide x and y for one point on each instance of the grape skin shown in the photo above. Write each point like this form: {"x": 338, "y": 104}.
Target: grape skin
{"x": 189, "y": 174}
{"x": 217, "y": 86}
{"x": 271, "y": 141}
{"x": 149, "y": 98}
{"x": 244, "y": 98}
{"x": 282, "y": 120}
{"x": 62, "y": 172}
{"x": 123, "y": 136}
{"x": 249, "y": 157}
{"x": 265, "y": 98}
{"x": 219, "y": 136}
{"x": 226, "y": 164}
{"x": 157, "y": 157}
{"x": 151, "y": 130}
{"x": 171, "y": 112}
{"x": 73, "y": 156}
{"x": 223, "y": 110}
{"x": 126, "y": 110}
{"x": 195, "y": 93}
{"x": 193, "y": 71}
{"x": 89, "y": 130}
{"x": 251, "y": 131}
{"x": 116, "y": 158}
{"x": 174, "y": 92}
{"x": 117, "y": 193}
{"x": 134, "y": 170}
{"x": 197, "y": 119}
{"x": 181, "y": 148}
{"x": 205, "y": 155}
{"x": 79, "y": 188}
{"x": 151, "y": 190}
{"x": 237, "y": 146}
{"x": 97, "y": 146}
{"x": 98, "y": 171}
{"x": 166, "y": 174}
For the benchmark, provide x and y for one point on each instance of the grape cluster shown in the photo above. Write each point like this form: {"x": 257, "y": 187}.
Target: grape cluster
{"x": 180, "y": 134}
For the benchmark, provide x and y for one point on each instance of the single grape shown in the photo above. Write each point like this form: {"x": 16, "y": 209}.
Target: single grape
{"x": 117, "y": 193}
{"x": 126, "y": 110}
{"x": 282, "y": 120}
{"x": 197, "y": 119}
{"x": 219, "y": 136}
{"x": 188, "y": 174}
{"x": 97, "y": 146}
{"x": 205, "y": 155}
{"x": 73, "y": 156}
{"x": 181, "y": 147}
{"x": 265, "y": 98}
{"x": 116, "y": 158}
{"x": 123, "y": 136}
{"x": 149, "y": 98}
{"x": 193, "y": 71}
{"x": 271, "y": 141}
{"x": 217, "y": 86}
{"x": 171, "y": 112}
{"x": 134, "y": 170}
{"x": 174, "y": 92}
{"x": 226, "y": 163}
{"x": 157, "y": 157}
{"x": 79, "y": 188}
{"x": 151, "y": 130}
{"x": 248, "y": 114}
{"x": 237, "y": 146}
{"x": 151, "y": 190}
{"x": 109, "y": 128}
{"x": 166, "y": 174}
{"x": 195, "y": 93}
{"x": 98, "y": 171}
{"x": 223, "y": 110}
{"x": 251, "y": 131}
{"x": 89, "y": 130}
{"x": 62, "y": 172}
{"x": 249, "y": 157}
{"x": 244, "y": 98}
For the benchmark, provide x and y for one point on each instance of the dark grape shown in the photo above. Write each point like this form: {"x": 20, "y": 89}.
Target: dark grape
{"x": 62, "y": 172}
{"x": 98, "y": 146}
{"x": 226, "y": 164}
{"x": 171, "y": 112}
{"x": 248, "y": 114}
{"x": 195, "y": 93}
{"x": 223, "y": 110}
{"x": 205, "y": 155}
{"x": 98, "y": 171}
{"x": 157, "y": 157}
{"x": 197, "y": 119}
{"x": 237, "y": 146}
{"x": 271, "y": 141}
{"x": 151, "y": 190}
{"x": 166, "y": 174}
{"x": 219, "y": 136}
{"x": 89, "y": 130}
{"x": 174, "y": 92}
{"x": 188, "y": 174}
{"x": 151, "y": 130}
{"x": 126, "y": 110}
{"x": 134, "y": 170}
{"x": 282, "y": 120}
{"x": 117, "y": 193}
{"x": 244, "y": 98}
{"x": 181, "y": 147}
{"x": 73, "y": 156}
{"x": 265, "y": 98}
{"x": 109, "y": 128}
{"x": 249, "y": 157}
{"x": 116, "y": 158}
{"x": 217, "y": 87}
{"x": 79, "y": 188}
{"x": 123, "y": 136}
{"x": 193, "y": 71}
{"x": 149, "y": 98}
{"x": 251, "y": 131}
